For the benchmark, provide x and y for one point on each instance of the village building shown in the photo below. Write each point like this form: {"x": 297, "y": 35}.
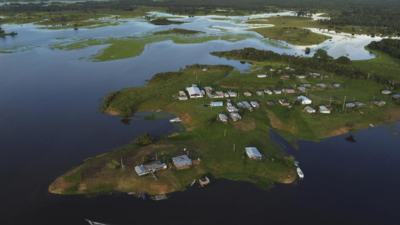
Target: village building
{"x": 232, "y": 94}
{"x": 336, "y": 85}
{"x": 150, "y": 168}
{"x": 216, "y": 104}
{"x": 140, "y": 171}
{"x": 262, "y": 75}
{"x": 239, "y": 104}
{"x": 232, "y": 109}
{"x": 194, "y": 92}
{"x": 182, "y": 96}
{"x": 223, "y": 118}
{"x": 379, "y": 103}
{"x": 386, "y": 92}
{"x": 301, "y": 76}
{"x": 315, "y": 74}
{"x": 321, "y": 85}
{"x": 292, "y": 69}
{"x": 182, "y": 162}
{"x": 287, "y": 68}
{"x": 247, "y": 105}
{"x": 288, "y": 91}
{"x": 324, "y": 109}
{"x": 284, "y": 102}
{"x": 247, "y": 94}
{"x": 219, "y": 94}
{"x": 272, "y": 70}
{"x": 350, "y": 105}
{"x": 285, "y": 77}
{"x": 271, "y": 103}
{"x": 302, "y": 89}
{"x": 304, "y": 100}
{"x": 268, "y": 91}
{"x": 235, "y": 116}
{"x": 359, "y": 104}
{"x": 309, "y": 109}
{"x": 226, "y": 95}
{"x": 306, "y": 85}
{"x": 253, "y": 153}
{"x": 396, "y": 96}
{"x": 254, "y": 104}
{"x": 277, "y": 92}
{"x": 204, "y": 181}
{"x": 205, "y": 70}
{"x": 260, "y": 93}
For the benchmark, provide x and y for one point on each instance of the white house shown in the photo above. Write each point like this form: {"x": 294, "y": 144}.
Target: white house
{"x": 268, "y": 91}
{"x": 386, "y": 92}
{"x": 277, "y": 92}
{"x": 232, "y": 109}
{"x": 304, "y": 100}
{"x": 309, "y": 109}
{"x": 396, "y": 96}
{"x": 223, "y": 118}
{"x": 253, "y": 153}
{"x": 216, "y": 104}
{"x": 194, "y": 92}
{"x": 232, "y": 94}
{"x": 324, "y": 109}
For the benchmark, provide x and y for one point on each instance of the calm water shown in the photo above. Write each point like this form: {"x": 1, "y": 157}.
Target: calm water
{"x": 49, "y": 123}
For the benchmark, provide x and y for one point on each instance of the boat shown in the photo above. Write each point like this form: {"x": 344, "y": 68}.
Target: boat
{"x": 204, "y": 181}
{"x": 371, "y": 125}
{"x": 143, "y": 196}
{"x": 262, "y": 75}
{"x": 131, "y": 193}
{"x": 159, "y": 197}
{"x": 194, "y": 181}
{"x": 91, "y": 222}
{"x": 296, "y": 163}
{"x": 175, "y": 120}
{"x": 300, "y": 173}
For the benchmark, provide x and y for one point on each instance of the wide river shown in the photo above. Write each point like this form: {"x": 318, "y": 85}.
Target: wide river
{"x": 49, "y": 123}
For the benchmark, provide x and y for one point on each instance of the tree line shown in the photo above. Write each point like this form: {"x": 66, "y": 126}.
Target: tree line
{"x": 389, "y": 46}
{"x": 320, "y": 61}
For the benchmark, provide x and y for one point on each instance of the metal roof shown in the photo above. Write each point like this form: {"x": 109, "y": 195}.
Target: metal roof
{"x": 194, "y": 91}
{"x": 181, "y": 160}
{"x": 253, "y": 152}
{"x": 140, "y": 169}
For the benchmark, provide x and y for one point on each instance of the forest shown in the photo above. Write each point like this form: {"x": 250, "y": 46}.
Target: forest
{"x": 320, "y": 60}
{"x": 389, "y": 46}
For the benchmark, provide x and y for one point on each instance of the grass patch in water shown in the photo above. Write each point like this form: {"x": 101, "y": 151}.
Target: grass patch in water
{"x": 157, "y": 116}
{"x": 178, "y": 31}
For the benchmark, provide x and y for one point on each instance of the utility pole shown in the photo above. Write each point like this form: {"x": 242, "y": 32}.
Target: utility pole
{"x": 344, "y": 102}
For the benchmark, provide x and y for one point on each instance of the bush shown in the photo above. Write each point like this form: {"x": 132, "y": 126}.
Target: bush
{"x": 114, "y": 164}
{"x": 74, "y": 178}
{"x": 144, "y": 139}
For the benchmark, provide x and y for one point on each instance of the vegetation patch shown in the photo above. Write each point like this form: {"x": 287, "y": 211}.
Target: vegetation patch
{"x": 178, "y": 31}
{"x": 165, "y": 21}
{"x": 156, "y": 116}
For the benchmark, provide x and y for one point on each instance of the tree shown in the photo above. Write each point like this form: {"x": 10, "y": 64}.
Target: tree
{"x": 144, "y": 139}
{"x": 308, "y": 50}
{"x": 343, "y": 60}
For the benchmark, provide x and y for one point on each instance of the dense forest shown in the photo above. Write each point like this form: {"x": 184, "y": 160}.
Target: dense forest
{"x": 389, "y": 46}
{"x": 320, "y": 61}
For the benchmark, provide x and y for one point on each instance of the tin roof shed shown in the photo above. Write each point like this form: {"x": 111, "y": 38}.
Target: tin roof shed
{"x": 252, "y": 152}
{"x": 181, "y": 160}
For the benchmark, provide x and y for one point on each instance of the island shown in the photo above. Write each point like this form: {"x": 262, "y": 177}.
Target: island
{"x": 228, "y": 116}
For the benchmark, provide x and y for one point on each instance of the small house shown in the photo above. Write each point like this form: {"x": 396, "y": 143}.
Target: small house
{"x": 336, "y": 85}
{"x": 292, "y": 69}
{"x": 284, "y": 102}
{"x": 182, "y": 162}
{"x": 268, "y": 91}
{"x": 386, "y": 92}
{"x": 287, "y": 68}
{"x": 239, "y": 104}
{"x": 272, "y": 70}
{"x": 306, "y": 85}
{"x": 396, "y": 96}
{"x": 220, "y": 94}
{"x": 254, "y": 104}
{"x": 304, "y": 100}
{"x": 301, "y": 76}
{"x": 288, "y": 90}
{"x": 309, "y": 109}
{"x": 285, "y": 77}
{"x": 194, "y": 92}
{"x": 182, "y": 96}
{"x": 140, "y": 171}
{"x": 208, "y": 90}
{"x": 262, "y": 75}
{"x": 277, "y": 92}
{"x": 235, "y": 116}
{"x": 223, "y": 118}
{"x": 205, "y": 70}
{"x": 379, "y": 103}
{"x": 232, "y": 94}
{"x": 271, "y": 103}
{"x": 232, "y": 109}
{"x": 350, "y": 105}
{"x": 154, "y": 166}
{"x": 253, "y": 153}
{"x": 359, "y": 104}
{"x": 247, "y": 94}
{"x": 302, "y": 89}
{"x": 321, "y": 85}
{"x": 204, "y": 181}
{"x": 315, "y": 74}
{"x": 260, "y": 93}
{"x": 216, "y": 104}
{"x": 324, "y": 109}
{"x": 247, "y": 105}
{"x": 226, "y": 95}
{"x": 279, "y": 71}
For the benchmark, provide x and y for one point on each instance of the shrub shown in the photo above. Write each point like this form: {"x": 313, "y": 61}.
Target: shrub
{"x": 114, "y": 164}
{"x": 144, "y": 139}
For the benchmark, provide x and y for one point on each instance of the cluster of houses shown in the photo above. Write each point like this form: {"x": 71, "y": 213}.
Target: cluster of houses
{"x": 180, "y": 163}
{"x": 195, "y": 92}
{"x": 394, "y": 96}
{"x": 234, "y": 112}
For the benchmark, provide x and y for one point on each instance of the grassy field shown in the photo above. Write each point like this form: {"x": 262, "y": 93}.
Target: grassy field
{"x": 289, "y": 29}
{"x": 127, "y": 47}
{"x": 177, "y": 31}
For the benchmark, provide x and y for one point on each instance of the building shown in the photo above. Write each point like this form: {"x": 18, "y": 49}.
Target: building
{"x": 277, "y": 92}
{"x": 324, "y": 109}
{"x": 254, "y": 104}
{"x": 302, "y": 89}
{"x": 194, "y": 92}
{"x": 223, "y": 118}
{"x": 220, "y": 94}
{"x": 309, "y": 109}
{"x": 315, "y": 74}
{"x": 247, "y": 94}
{"x": 182, "y": 162}
{"x": 150, "y": 168}
{"x": 253, "y": 153}
{"x": 262, "y": 75}
{"x": 272, "y": 70}
{"x": 359, "y": 104}
{"x": 232, "y": 94}
{"x": 285, "y": 77}
{"x": 321, "y": 85}
{"x": 386, "y": 92}
{"x": 232, "y": 109}
{"x": 304, "y": 100}
{"x": 268, "y": 91}
{"x": 288, "y": 90}
{"x": 336, "y": 85}
{"x": 216, "y": 104}
{"x": 140, "y": 171}
{"x": 204, "y": 181}
{"x": 247, "y": 106}
{"x": 284, "y": 102}
{"x": 260, "y": 93}
{"x": 182, "y": 96}
{"x": 350, "y": 105}
{"x": 396, "y": 96}
{"x": 235, "y": 116}
{"x": 271, "y": 103}
{"x": 205, "y": 70}
{"x": 301, "y": 76}
{"x": 379, "y": 103}
{"x": 306, "y": 85}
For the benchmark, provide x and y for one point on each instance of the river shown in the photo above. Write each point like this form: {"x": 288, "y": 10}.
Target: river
{"x": 50, "y": 123}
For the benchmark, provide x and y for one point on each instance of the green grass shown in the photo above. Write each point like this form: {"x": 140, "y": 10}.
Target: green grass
{"x": 156, "y": 116}
{"x": 74, "y": 178}
{"x": 177, "y": 31}
{"x": 294, "y": 36}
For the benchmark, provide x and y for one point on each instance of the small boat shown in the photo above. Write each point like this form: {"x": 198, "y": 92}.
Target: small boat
{"x": 159, "y": 197}
{"x": 371, "y": 125}
{"x": 91, "y": 222}
{"x": 300, "y": 173}
{"x": 131, "y": 193}
{"x": 296, "y": 163}
{"x": 204, "y": 181}
{"x": 143, "y": 196}
{"x": 175, "y": 120}
{"x": 194, "y": 181}
{"x": 262, "y": 75}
